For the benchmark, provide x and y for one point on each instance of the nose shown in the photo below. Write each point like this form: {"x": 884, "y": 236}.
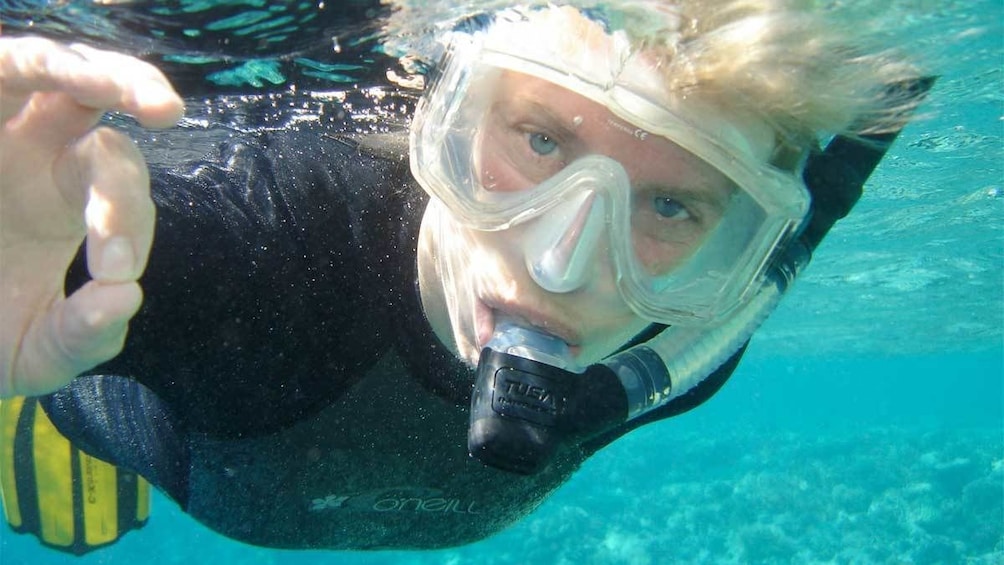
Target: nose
{"x": 561, "y": 246}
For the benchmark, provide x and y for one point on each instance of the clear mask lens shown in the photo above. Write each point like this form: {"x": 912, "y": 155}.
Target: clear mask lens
{"x": 603, "y": 180}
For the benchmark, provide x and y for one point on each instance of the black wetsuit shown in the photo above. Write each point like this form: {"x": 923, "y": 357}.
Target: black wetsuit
{"x": 281, "y": 382}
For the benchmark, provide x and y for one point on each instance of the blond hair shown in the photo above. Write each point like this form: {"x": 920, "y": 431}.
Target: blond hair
{"x": 807, "y": 68}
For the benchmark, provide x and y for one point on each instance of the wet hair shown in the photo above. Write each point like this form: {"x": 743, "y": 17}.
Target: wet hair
{"x": 808, "y": 68}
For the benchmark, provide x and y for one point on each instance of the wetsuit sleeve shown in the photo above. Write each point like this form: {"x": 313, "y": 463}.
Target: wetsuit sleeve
{"x": 257, "y": 282}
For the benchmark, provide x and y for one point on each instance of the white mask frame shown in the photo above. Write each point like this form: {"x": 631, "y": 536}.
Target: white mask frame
{"x": 769, "y": 208}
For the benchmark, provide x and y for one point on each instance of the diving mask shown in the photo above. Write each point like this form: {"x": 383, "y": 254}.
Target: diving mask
{"x": 567, "y": 143}
{"x": 599, "y": 170}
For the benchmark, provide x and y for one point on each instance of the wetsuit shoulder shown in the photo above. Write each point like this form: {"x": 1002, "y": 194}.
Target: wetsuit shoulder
{"x": 265, "y": 290}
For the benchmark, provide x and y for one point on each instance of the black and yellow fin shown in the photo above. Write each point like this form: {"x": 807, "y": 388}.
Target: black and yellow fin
{"x": 68, "y": 499}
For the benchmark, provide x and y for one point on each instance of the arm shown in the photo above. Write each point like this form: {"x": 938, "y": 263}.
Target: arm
{"x": 63, "y": 179}
{"x": 263, "y": 297}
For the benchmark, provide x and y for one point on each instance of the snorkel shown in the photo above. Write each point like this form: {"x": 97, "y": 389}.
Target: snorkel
{"x": 529, "y": 398}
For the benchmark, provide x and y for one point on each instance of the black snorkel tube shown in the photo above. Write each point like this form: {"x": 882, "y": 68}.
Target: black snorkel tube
{"x": 526, "y": 403}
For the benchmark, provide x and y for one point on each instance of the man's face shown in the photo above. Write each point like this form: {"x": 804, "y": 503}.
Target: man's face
{"x": 531, "y": 130}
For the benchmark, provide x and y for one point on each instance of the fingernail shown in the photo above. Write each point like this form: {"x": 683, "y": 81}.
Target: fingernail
{"x": 153, "y": 93}
{"x": 117, "y": 260}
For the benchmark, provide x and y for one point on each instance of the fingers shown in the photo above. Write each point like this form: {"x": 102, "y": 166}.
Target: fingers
{"x": 144, "y": 92}
{"x": 107, "y": 168}
{"x": 55, "y": 166}
{"x": 45, "y": 339}
{"x": 91, "y": 323}
{"x": 76, "y": 334}
{"x": 94, "y": 79}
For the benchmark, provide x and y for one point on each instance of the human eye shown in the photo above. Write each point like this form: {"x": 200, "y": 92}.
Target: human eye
{"x": 663, "y": 208}
{"x": 670, "y": 208}
{"x": 541, "y": 143}
{"x": 665, "y": 215}
{"x": 665, "y": 228}
{"x": 538, "y": 152}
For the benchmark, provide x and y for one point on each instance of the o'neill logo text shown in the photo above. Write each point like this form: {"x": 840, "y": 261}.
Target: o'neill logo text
{"x": 403, "y": 499}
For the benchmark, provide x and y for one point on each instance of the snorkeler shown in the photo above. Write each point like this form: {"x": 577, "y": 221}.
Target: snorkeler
{"x": 329, "y": 348}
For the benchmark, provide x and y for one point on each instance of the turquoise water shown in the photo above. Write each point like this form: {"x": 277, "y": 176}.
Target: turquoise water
{"x": 866, "y": 424}
{"x": 820, "y": 459}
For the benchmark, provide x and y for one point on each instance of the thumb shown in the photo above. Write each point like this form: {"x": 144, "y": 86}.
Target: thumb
{"x": 79, "y": 332}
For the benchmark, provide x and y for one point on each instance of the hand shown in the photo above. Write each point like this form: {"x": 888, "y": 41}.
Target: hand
{"x": 62, "y": 179}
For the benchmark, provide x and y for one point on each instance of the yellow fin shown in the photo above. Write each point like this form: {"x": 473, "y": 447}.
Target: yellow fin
{"x": 69, "y": 500}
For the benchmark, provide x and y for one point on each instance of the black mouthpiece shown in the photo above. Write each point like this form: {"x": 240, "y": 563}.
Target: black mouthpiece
{"x": 523, "y": 410}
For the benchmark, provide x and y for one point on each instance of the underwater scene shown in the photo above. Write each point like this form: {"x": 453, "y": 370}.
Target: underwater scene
{"x": 865, "y": 424}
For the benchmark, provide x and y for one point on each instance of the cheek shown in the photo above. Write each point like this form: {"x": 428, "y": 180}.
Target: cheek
{"x": 496, "y": 257}
{"x": 660, "y": 257}
{"x": 609, "y": 337}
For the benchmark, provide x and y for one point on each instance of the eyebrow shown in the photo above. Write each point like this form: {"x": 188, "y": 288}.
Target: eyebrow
{"x": 554, "y": 121}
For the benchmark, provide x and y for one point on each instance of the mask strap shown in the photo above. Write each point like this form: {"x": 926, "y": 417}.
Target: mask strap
{"x": 836, "y": 176}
